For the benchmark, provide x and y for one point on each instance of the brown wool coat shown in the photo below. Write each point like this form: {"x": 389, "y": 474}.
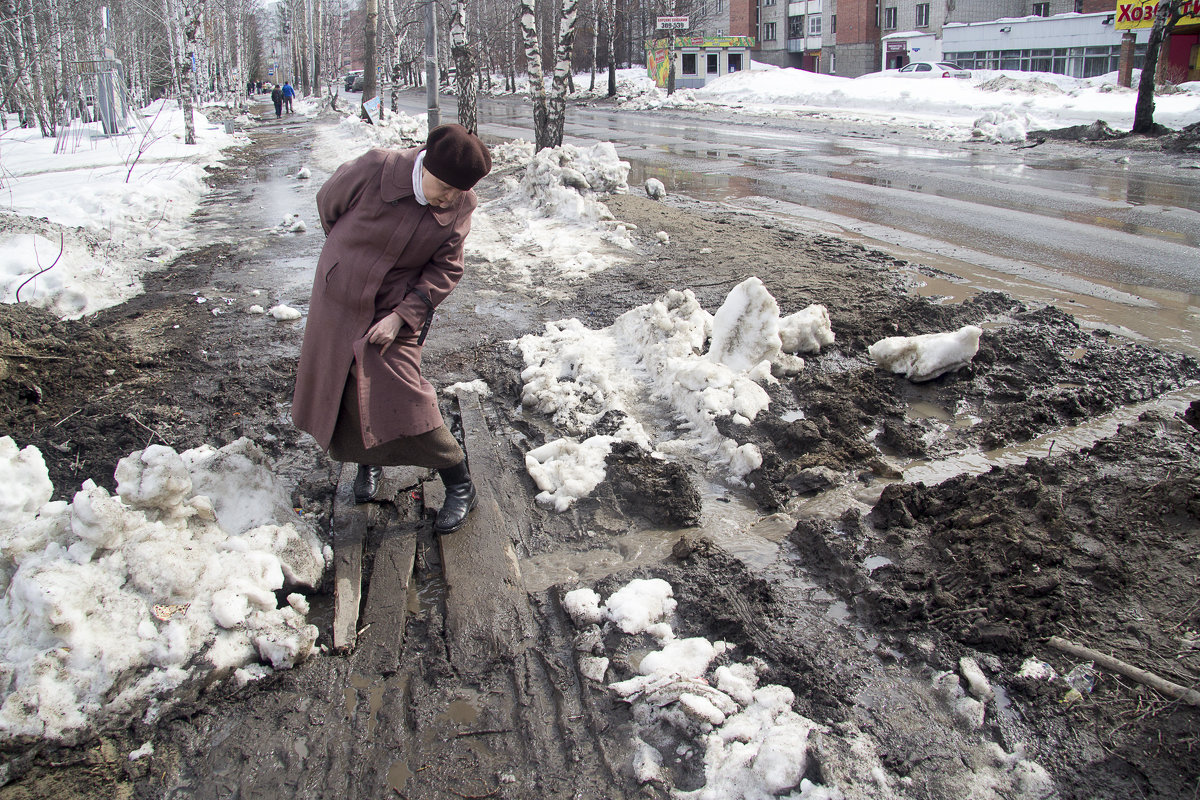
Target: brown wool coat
{"x": 384, "y": 251}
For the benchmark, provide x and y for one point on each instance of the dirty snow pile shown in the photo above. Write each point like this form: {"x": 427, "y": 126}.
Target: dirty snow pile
{"x": 651, "y": 368}
{"x": 352, "y": 136}
{"x": 112, "y": 602}
{"x": 692, "y": 701}
{"x": 551, "y": 225}
{"x": 698, "y": 709}
{"x": 113, "y": 205}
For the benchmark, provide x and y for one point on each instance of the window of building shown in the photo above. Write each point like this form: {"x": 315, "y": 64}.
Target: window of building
{"x": 814, "y": 24}
{"x": 833, "y": 23}
{"x": 712, "y": 66}
{"x": 923, "y": 15}
{"x": 689, "y": 63}
{"x": 889, "y": 18}
{"x": 796, "y": 27}
{"x": 768, "y": 2}
{"x": 1078, "y": 6}
{"x": 1041, "y": 9}
{"x": 719, "y": 6}
{"x": 833, "y": 61}
{"x": 768, "y": 32}
{"x": 735, "y": 62}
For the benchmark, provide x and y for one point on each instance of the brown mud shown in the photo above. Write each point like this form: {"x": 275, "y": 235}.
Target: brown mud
{"x": 1097, "y": 545}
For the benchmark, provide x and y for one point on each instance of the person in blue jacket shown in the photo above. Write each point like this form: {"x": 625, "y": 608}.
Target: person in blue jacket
{"x": 288, "y": 94}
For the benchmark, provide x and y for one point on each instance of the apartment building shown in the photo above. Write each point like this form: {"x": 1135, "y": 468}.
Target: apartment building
{"x": 848, "y": 37}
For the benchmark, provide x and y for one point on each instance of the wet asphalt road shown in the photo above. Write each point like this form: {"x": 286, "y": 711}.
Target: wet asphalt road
{"x": 1080, "y": 212}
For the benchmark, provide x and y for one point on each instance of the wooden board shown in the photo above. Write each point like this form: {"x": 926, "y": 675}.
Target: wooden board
{"x": 485, "y": 599}
{"x": 349, "y": 527}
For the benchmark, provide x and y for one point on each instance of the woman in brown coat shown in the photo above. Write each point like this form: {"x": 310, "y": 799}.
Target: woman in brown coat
{"x": 395, "y": 222}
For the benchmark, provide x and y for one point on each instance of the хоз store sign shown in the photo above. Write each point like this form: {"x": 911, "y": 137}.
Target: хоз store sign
{"x": 1140, "y": 14}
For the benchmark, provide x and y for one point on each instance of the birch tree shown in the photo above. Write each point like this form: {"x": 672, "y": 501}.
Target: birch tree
{"x": 557, "y": 116}
{"x": 464, "y": 63}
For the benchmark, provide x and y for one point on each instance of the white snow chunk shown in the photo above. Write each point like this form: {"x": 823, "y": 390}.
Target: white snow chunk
{"x": 655, "y": 189}
{"x": 284, "y": 313}
{"x": 256, "y": 309}
{"x": 925, "y": 357}
{"x": 593, "y": 667}
{"x": 304, "y": 173}
{"x": 806, "y": 331}
{"x": 640, "y": 603}
{"x": 583, "y": 605}
{"x": 663, "y": 237}
{"x": 977, "y": 682}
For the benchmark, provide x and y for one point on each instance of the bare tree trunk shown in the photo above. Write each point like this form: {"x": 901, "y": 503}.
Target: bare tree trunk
{"x": 318, "y": 42}
{"x": 595, "y": 43}
{"x": 1168, "y": 14}
{"x": 20, "y": 89}
{"x": 612, "y": 46}
{"x": 193, "y": 10}
{"x": 372, "y": 11}
{"x": 537, "y": 80}
{"x": 464, "y": 63}
{"x": 30, "y": 41}
{"x": 556, "y": 116}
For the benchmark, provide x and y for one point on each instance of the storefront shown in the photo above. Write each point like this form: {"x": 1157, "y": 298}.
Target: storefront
{"x": 1079, "y": 45}
{"x": 697, "y": 60}
{"x": 1179, "y": 60}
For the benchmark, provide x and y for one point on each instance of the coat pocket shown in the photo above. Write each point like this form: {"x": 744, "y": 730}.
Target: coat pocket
{"x": 329, "y": 270}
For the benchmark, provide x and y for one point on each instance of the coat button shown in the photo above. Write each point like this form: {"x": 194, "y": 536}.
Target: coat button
{"x": 394, "y": 202}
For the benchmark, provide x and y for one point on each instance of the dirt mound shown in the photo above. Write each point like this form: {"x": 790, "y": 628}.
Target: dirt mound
{"x": 51, "y": 371}
{"x": 1098, "y": 131}
{"x": 1096, "y": 547}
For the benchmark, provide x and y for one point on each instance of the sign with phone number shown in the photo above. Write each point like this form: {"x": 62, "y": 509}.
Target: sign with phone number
{"x": 1140, "y": 14}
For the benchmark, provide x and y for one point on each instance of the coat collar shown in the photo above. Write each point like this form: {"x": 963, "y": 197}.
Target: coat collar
{"x": 397, "y": 185}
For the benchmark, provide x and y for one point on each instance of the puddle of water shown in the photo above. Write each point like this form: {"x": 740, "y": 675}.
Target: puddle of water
{"x": 397, "y": 776}
{"x": 426, "y": 596}
{"x": 462, "y": 712}
{"x": 922, "y": 409}
{"x": 872, "y": 563}
{"x": 732, "y": 523}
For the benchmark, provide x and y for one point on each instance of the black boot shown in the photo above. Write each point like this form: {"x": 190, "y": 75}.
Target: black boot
{"x": 460, "y": 498}
{"x": 366, "y": 483}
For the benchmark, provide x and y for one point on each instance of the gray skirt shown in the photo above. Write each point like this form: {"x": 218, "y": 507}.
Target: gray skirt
{"x": 436, "y": 449}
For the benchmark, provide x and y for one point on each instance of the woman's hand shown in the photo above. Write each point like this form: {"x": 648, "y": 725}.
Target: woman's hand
{"x": 384, "y": 332}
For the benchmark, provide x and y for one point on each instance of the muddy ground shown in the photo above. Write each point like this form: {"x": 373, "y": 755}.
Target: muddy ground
{"x": 1096, "y": 544}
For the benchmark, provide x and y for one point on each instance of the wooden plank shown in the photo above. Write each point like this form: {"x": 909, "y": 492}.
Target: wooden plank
{"x": 386, "y": 609}
{"x": 349, "y": 526}
{"x": 485, "y": 600}
{"x": 397, "y": 480}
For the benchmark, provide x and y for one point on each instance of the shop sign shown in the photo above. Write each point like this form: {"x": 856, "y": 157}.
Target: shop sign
{"x": 1140, "y": 14}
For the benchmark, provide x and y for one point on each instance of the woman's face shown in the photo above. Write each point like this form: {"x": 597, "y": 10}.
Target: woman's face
{"x": 437, "y": 192}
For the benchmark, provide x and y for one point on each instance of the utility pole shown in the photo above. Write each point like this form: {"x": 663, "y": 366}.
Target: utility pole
{"x": 431, "y": 66}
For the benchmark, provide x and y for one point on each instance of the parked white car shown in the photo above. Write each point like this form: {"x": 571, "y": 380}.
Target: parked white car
{"x": 931, "y": 69}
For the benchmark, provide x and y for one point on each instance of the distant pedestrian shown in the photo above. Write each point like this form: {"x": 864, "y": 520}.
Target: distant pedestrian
{"x": 288, "y": 94}
{"x": 258, "y": 87}
{"x": 249, "y": 88}
{"x": 277, "y": 99}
